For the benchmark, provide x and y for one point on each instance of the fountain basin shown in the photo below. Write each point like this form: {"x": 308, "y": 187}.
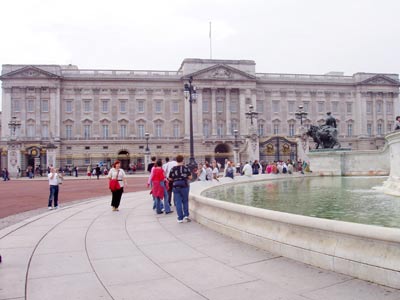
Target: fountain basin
{"x": 364, "y": 251}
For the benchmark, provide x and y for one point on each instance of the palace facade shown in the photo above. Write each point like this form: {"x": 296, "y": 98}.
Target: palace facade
{"x": 83, "y": 117}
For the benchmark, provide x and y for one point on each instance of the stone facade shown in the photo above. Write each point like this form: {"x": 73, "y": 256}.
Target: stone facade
{"x": 101, "y": 115}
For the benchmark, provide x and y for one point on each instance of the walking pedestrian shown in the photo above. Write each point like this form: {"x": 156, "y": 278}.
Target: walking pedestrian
{"x": 117, "y": 173}
{"x": 180, "y": 176}
{"x": 54, "y": 181}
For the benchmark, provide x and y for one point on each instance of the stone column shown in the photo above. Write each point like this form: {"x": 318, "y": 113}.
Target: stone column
{"x": 77, "y": 128}
{"x": 213, "y": 112}
{"x": 55, "y": 107}
{"x": 228, "y": 111}
{"x": 384, "y": 103}
{"x": 199, "y": 131}
{"x": 6, "y": 114}
{"x": 13, "y": 159}
{"x": 242, "y": 109}
{"x": 373, "y": 129}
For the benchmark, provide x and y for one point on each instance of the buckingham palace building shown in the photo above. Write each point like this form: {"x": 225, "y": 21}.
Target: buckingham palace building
{"x": 67, "y": 116}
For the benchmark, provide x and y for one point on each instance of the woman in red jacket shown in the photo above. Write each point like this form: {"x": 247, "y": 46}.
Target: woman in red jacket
{"x": 157, "y": 190}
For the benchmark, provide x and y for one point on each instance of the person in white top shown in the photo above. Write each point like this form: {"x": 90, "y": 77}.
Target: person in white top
{"x": 117, "y": 173}
{"x": 54, "y": 180}
{"x": 168, "y": 166}
{"x": 247, "y": 169}
{"x": 215, "y": 171}
{"x": 201, "y": 173}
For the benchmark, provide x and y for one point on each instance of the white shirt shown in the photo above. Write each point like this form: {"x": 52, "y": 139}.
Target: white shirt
{"x": 53, "y": 181}
{"x": 169, "y": 166}
{"x": 121, "y": 175}
{"x": 247, "y": 170}
{"x": 203, "y": 174}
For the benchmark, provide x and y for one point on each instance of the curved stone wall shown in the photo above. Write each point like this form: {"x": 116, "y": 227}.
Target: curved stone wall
{"x": 367, "y": 252}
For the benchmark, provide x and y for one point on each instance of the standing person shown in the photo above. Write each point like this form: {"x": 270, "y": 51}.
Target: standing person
{"x": 89, "y": 172}
{"x": 18, "y": 172}
{"x": 117, "y": 173}
{"x": 256, "y": 167}
{"x": 151, "y": 165}
{"x": 229, "y": 170}
{"x": 76, "y": 171}
{"x": 54, "y": 179}
{"x": 397, "y": 127}
{"x": 215, "y": 170}
{"x": 98, "y": 171}
{"x": 247, "y": 170}
{"x": 158, "y": 189}
{"x": 168, "y": 167}
{"x": 201, "y": 173}
{"x": 6, "y": 175}
{"x": 180, "y": 176}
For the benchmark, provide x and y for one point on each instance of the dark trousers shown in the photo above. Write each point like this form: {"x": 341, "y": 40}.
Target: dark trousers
{"x": 116, "y": 197}
{"x": 53, "y": 195}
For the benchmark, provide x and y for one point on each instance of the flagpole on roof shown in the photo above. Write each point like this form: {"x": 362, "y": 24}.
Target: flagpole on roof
{"x": 210, "y": 42}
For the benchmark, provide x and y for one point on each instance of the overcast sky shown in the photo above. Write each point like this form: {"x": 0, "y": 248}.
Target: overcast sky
{"x": 282, "y": 36}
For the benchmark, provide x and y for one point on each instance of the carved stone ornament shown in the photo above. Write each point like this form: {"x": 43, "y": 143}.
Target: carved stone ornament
{"x": 221, "y": 73}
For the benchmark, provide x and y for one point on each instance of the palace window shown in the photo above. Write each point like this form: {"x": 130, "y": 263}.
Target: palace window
{"x": 206, "y": 129}
{"x": 205, "y": 106}
{"x": 379, "y": 129}
{"x": 389, "y": 127}
{"x": 104, "y": 106}
{"x": 350, "y": 129}
{"x": 105, "y": 131}
{"x": 369, "y": 107}
{"x": 261, "y": 131}
{"x": 234, "y": 105}
{"x": 15, "y": 105}
{"x": 141, "y": 130}
{"x": 45, "y": 131}
{"x": 86, "y": 132}
{"x": 276, "y": 129}
{"x": 175, "y": 107}
{"x": 220, "y": 130}
{"x": 158, "y": 108}
{"x": 68, "y": 106}
{"x": 275, "y": 106}
{"x": 140, "y": 106}
{"x": 291, "y": 106}
{"x": 335, "y": 107}
{"x": 30, "y": 105}
{"x": 260, "y": 106}
{"x": 176, "y": 131}
{"x": 369, "y": 129}
{"x": 122, "y": 106}
{"x": 349, "y": 108}
{"x": 68, "y": 132}
{"x": 45, "y": 105}
{"x": 321, "y": 107}
{"x": 389, "y": 107}
{"x": 379, "y": 107}
{"x": 86, "y": 106}
{"x": 291, "y": 129}
{"x": 158, "y": 132}
{"x": 220, "y": 106}
{"x": 30, "y": 130}
{"x": 122, "y": 131}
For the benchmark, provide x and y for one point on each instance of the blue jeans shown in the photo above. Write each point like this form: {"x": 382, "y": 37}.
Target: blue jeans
{"x": 167, "y": 208}
{"x": 181, "y": 197}
{"x": 53, "y": 195}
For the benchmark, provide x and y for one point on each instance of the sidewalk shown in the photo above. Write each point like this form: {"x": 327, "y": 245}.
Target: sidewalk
{"x": 87, "y": 251}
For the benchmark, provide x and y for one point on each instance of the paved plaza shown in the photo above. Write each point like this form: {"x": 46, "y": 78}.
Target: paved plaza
{"x": 86, "y": 251}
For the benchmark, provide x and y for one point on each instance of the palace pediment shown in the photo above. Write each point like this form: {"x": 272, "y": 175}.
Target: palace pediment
{"x": 221, "y": 72}
{"x": 380, "y": 80}
{"x": 29, "y": 72}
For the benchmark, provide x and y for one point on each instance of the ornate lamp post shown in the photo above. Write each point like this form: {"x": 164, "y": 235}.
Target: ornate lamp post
{"x": 236, "y": 147}
{"x": 300, "y": 114}
{"x": 251, "y": 114}
{"x": 190, "y": 94}
{"x": 147, "y": 136}
{"x": 14, "y": 124}
{"x": 147, "y": 150}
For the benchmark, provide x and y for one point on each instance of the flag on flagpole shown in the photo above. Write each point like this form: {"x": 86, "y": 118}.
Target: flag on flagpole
{"x": 210, "y": 31}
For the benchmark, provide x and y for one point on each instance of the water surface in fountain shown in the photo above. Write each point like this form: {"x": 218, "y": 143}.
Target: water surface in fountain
{"x": 350, "y": 199}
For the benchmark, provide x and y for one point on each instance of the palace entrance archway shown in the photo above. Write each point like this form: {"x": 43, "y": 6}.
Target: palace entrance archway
{"x": 222, "y": 152}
